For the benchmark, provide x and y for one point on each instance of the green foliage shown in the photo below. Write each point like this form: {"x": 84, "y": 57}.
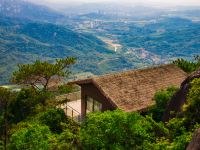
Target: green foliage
{"x": 181, "y": 142}
{"x": 159, "y": 128}
{"x": 1, "y": 145}
{"x": 27, "y": 102}
{"x": 67, "y": 140}
{"x": 116, "y": 130}
{"x": 32, "y": 137}
{"x": 178, "y": 136}
{"x": 167, "y": 44}
{"x": 1, "y": 126}
{"x": 176, "y": 127}
{"x": 25, "y": 41}
{"x": 53, "y": 118}
{"x": 188, "y": 66}
{"x": 161, "y": 98}
{"x": 32, "y": 123}
{"x": 192, "y": 108}
{"x": 41, "y": 73}
{"x": 161, "y": 144}
{"x": 63, "y": 89}
{"x": 6, "y": 98}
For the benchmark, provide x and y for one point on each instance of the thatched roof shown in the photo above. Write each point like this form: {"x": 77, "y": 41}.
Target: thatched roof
{"x": 134, "y": 90}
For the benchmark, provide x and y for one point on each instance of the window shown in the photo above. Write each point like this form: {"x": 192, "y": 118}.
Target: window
{"x": 92, "y": 105}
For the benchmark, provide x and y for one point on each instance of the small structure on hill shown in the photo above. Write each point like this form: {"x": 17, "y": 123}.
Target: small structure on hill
{"x": 130, "y": 91}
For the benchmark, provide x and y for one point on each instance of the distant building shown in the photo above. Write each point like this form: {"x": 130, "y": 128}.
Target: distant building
{"x": 130, "y": 91}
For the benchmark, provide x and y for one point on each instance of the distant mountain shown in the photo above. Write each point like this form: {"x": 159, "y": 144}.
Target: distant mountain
{"x": 95, "y": 15}
{"x": 27, "y": 10}
{"x": 29, "y": 32}
{"x": 23, "y": 41}
{"x": 167, "y": 37}
{"x": 114, "y": 9}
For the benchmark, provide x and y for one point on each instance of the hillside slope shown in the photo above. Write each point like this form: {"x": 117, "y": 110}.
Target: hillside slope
{"x": 24, "y": 41}
{"x": 27, "y": 10}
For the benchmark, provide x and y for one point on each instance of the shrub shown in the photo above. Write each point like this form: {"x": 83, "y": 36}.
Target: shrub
{"x": 192, "y": 108}
{"x": 188, "y": 66}
{"x": 32, "y": 137}
{"x": 53, "y": 118}
{"x": 116, "y": 130}
{"x": 161, "y": 98}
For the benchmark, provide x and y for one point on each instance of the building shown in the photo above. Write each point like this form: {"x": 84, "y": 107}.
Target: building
{"x": 130, "y": 91}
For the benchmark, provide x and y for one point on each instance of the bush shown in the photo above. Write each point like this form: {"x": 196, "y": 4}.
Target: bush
{"x": 192, "y": 108}
{"x": 66, "y": 140}
{"x": 57, "y": 121}
{"x": 116, "y": 130}
{"x": 188, "y": 66}
{"x": 32, "y": 137}
{"x": 27, "y": 102}
{"x": 161, "y": 98}
{"x": 53, "y": 118}
{"x": 63, "y": 89}
{"x": 181, "y": 142}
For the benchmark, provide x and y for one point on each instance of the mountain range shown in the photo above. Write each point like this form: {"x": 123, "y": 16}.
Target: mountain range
{"x": 23, "y": 41}
{"x": 29, "y": 32}
{"x": 26, "y": 10}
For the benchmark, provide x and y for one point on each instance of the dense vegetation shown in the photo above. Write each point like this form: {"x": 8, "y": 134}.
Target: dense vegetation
{"x": 24, "y": 41}
{"x": 162, "y": 99}
{"x": 143, "y": 44}
{"x": 167, "y": 37}
{"x": 43, "y": 75}
{"x": 30, "y": 119}
{"x": 188, "y": 66}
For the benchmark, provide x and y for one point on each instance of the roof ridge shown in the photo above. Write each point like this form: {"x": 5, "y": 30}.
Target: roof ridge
{"x": 124, "y": 72}
{"x": 131, "y": 71}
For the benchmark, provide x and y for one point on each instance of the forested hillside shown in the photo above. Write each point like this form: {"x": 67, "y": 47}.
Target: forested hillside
{"x": 103, "y": 42}
{"x": 164, "y": 37}
{"x": 23, "y": 41}
{"x": 26, "y": 10}
{"x": 41, "y": 50}
{"x": 167, "y": 37}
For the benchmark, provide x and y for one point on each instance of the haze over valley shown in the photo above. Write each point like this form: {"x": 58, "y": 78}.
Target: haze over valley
{"x": 104, "y": 38}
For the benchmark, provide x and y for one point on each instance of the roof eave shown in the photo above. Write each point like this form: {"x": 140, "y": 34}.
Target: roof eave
{"x": 81, "y": 82}
{"x": 92, "y": 81}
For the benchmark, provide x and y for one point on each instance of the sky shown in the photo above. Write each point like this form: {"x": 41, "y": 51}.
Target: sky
{"x": 170, "y": 2}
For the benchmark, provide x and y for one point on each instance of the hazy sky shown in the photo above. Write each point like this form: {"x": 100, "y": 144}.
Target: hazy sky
{"x": 171, "y": 2}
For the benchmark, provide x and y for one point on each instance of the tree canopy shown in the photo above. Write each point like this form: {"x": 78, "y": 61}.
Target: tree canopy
{"x": 42, "y": 73}
{"x": 32, "y": 137}
{"x": 28, "y": 120}
{"x": 117, "y": 130}
{"x": 188, "y": 66}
